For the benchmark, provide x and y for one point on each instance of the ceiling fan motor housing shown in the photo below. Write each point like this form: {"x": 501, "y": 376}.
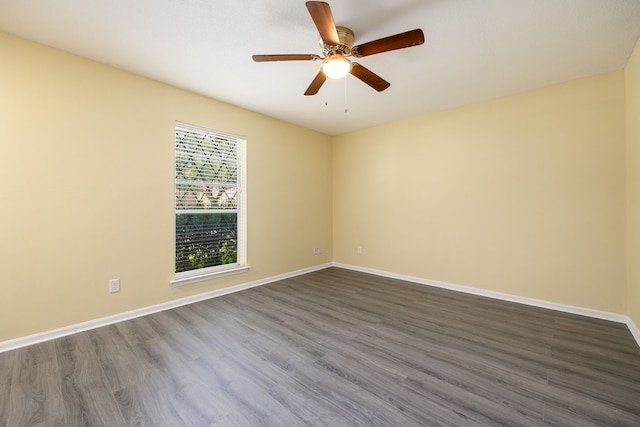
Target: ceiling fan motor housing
{"x": 346, "y": 37}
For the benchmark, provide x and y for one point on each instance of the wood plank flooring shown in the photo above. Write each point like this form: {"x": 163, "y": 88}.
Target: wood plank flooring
{"x": 331, "y": 348}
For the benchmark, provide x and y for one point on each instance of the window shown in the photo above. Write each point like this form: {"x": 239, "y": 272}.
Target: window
{"x": 209, "y": 204}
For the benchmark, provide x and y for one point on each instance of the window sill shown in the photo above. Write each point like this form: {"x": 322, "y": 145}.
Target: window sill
{"x": 187, "y": 280}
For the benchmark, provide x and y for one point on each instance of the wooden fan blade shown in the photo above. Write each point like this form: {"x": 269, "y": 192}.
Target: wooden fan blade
{"x": 285, "y": 57}
{"x": 323, "y": 18}
{"x": 316, "y": 84}
{"x": 369, "y": 77}
{"x": 398, "y": 41}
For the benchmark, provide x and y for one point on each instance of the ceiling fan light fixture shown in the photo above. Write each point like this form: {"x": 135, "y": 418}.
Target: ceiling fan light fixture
{"x": 337, "y": 45}
{"x": 336, "y": 67}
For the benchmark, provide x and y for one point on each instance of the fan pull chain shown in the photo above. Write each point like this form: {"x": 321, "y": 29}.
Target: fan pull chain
{"x": 346, "y": 110}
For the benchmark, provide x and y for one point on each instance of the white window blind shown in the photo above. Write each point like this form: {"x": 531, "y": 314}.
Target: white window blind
{"x": 207, "y": 200}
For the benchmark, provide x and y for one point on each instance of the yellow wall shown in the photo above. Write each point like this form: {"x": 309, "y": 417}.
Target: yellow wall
{"x": 632, "y": 73}
{"x": 523, "y": 195}
{"x": 86, "y": 182}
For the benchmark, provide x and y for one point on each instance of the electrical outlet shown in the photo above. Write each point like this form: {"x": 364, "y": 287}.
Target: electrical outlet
{"x": 317, "y": 251}
{"x": 114, "y": 285}
{"x": 359, "y": 250}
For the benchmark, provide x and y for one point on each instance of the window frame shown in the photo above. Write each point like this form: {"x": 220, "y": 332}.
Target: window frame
{"x": 240, "y": 266}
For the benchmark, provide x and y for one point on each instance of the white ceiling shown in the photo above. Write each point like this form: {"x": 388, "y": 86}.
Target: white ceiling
{"x": 474, "y": 50}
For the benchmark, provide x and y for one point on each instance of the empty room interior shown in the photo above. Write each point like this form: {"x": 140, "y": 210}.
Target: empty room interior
{"x": 449, "y": 236}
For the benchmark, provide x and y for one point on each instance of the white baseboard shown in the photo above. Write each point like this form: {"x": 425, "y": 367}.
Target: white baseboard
{"x": 605, "y": 315}
{"x": 104, "y": 321}
{"x": 634, "y": 330}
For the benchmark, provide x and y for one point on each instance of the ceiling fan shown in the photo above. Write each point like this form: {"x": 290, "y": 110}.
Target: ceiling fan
{"x": 337, "y": 46}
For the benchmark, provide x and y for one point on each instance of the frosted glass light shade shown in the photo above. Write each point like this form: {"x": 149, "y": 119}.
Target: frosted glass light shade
{"x": 336, "y": 67}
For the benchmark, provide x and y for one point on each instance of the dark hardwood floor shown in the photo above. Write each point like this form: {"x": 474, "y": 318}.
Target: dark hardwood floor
{"x": 331, "y": 348}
